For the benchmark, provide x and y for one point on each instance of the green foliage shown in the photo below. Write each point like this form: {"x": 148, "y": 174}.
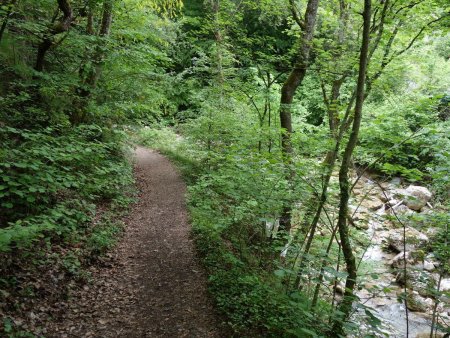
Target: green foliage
{"x": 231, "y": 197}
{"x": 250, "y": 298}
{"x": 87, "y": 77}
{"x": 441, "y": 239}
{"x": 393, "y": 142}
{"x": 214, "y": 75}
{"x": 50, "y": 180}
{"x": 104, "y": 235}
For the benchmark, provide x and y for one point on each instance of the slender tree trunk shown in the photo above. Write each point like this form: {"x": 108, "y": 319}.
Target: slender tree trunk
{"x": 89, "y": 80}
{"x": 293, "y": 81}
{"x": 434, "y": 317}
{"x": 313, "y": 226}
{"x": 6, "y": 19}
{"x": 90, "y": 22}
{"x": 104, "y": 32}
{"x": 62, "y": 26}
{"x": 218, "y": 39}
{"x": 269, "y": 109}
{"x": 346, "y": 304}
{"x": 322, "y": 270}
{"x": 313, "y": 207}
{"x": 329, "y": 161}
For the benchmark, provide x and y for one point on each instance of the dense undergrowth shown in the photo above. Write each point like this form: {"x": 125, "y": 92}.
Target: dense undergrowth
{"x": 52, "y": 179}
{"x": 63, "y": 192}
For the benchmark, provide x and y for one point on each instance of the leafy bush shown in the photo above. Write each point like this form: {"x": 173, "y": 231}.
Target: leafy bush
{"x": 405, "y": 139}
{"x": 50, "y": 180}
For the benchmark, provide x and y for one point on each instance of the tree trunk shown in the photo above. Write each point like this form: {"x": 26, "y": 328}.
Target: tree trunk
{"x": 104, "y": 32}
{"x": 5, "y": 20}
{"x": 89, "y": 80}
{"x": 322, "y": 270}
{"x": 346, "y": 304}
{"x": 293, "y": 81}
{"x": 62, "y": 26}
{"x": 321, "y": 203}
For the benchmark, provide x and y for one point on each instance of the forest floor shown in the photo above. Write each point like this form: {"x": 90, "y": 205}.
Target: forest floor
{"x": 152, "y": 284}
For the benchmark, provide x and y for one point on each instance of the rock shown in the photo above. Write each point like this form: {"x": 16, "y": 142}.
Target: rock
{"x": 400, "y": 210}
{"x": 392, "y": 203}
{"x": 373, "y": 204}
{"x": 416, "y": 197}
{"x": 384, "y": 185}
{"x": 403, "y": 210}
{"x": 427, "y": 335}
{"x": 392, "y": 184}
{"x": 380, "y": 301}
{"x": 357, "y": 192}
{"x": 419, "y": 281}
{"x": 414, "y": 239}
{"x": 431, "y": 231}
{"x": 358, "y": 209}
{"x": 444, "y": 301}
{"x": 395, "y": 181}
{"x": 393, "y": 193}
{"x": 416, "y": 303}
{"x": 360, "y": 220}
{"x": 360, "y": 217}
{"x": 431, "y": 259}
{"x": 445, "y": 284}
{"x": 398, "y": 261}
{"x": 340, "y": 288}
{"x": 426, "y": 210}
{"x": 385, "y": 196}
{"x": 429, "y": 302}
{"x": 361, "y": 225}
{"x": 428, "y": 266}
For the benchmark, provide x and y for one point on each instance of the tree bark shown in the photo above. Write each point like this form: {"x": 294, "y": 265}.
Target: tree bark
{"x": 62, "y": 26}
{"x": 104, "y": 32}
{"x": 293, "y": 81}
{"x": 322, "y": 270}
{"x": 346, "y": 304}
{"x": 106, "y": 18}
{"x": 90, "y": 81}
{"x": 6, "y": 19}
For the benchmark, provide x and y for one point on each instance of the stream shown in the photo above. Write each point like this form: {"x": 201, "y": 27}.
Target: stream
{"x": 381, "y": 294}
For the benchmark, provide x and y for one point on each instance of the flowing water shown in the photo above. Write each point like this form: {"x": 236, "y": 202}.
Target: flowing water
{"x": 385, "y": 305}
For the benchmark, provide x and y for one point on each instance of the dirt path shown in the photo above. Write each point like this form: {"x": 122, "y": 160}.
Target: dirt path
{"x": 152, "y": 285}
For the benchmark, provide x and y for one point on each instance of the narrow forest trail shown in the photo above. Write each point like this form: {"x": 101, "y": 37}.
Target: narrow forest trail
{"x": 153, "y": 285}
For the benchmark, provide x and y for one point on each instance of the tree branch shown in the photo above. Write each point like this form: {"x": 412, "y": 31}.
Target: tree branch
{"x": 295, "y": 14}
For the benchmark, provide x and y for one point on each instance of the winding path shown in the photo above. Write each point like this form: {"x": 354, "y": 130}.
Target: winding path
{"x": 152, "y": 285}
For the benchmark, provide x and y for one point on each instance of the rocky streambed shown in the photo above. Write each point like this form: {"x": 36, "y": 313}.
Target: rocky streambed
{"x": 387, "y": 213}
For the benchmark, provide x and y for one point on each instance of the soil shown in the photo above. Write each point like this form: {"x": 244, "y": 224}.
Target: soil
{"x": 152, "y": 285}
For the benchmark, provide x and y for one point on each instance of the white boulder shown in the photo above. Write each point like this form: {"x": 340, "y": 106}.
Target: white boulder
{"x": 417, "y": 197}
{"x": 414, "y": 239}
